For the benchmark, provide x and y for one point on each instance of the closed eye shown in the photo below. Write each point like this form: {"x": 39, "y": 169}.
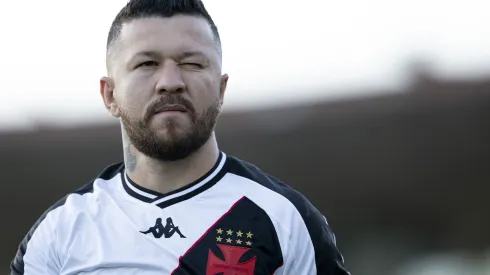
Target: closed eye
{"x": 193, "y": 65}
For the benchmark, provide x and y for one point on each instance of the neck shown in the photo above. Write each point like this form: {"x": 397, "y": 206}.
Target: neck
{"x": 164, "y": 177}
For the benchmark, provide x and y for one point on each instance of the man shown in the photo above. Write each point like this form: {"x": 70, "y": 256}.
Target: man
{"x": 165, "y": 85}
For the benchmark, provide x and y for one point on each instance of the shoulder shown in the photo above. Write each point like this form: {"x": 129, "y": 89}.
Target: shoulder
{"x": 311, "y": 237}
{"x": 45, "y": 232}
{"x": 79, "y": 199}
{"x": 36, "y": 250}
{"x": 274, "y": 185}
{"x": 82, "y": 198}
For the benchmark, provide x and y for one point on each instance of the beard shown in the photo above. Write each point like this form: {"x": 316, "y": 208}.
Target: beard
{"x": 179, "y": 141}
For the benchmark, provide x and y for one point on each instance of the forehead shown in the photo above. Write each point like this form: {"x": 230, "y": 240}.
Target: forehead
{"x": 168, "y": 36}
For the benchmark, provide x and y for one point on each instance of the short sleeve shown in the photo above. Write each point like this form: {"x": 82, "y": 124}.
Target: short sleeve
{"x": 316, "y": 251}
{"x": 37, "y": 251}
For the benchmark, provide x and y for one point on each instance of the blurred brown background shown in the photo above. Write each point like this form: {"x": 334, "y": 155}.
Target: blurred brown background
{"x": 403, "y": 178}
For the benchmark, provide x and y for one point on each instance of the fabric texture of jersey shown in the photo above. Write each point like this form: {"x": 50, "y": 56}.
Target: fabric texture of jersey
{"x": 234, "y": 220}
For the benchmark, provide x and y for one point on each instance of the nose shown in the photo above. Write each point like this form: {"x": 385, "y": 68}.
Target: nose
{"x": 170, "y": 79}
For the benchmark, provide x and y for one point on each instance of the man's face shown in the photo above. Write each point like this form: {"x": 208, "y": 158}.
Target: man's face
{"x": 167, "y": 84}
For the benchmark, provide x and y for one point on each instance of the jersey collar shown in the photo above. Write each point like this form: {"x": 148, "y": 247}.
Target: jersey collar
{"x": 178, "y": 195}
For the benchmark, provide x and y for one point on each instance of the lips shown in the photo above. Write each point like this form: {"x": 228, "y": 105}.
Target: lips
{"x": 172, "y": 108}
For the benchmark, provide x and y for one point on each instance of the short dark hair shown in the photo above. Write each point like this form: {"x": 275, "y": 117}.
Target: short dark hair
{"x": 136, "y": 9}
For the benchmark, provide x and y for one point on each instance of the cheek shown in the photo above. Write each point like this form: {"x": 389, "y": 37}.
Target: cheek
{"x": 206, "y": 100}
{"x": 130, "y": 105}
{"x": 203, "y": 89}
{"x": 131, "y": 96}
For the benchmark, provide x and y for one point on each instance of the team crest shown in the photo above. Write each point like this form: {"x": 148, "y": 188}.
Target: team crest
{"x": 233, "y": 245}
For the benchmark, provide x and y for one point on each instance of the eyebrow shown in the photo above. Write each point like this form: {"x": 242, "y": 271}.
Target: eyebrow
{"x": 151, "y": 54}
{"x": 187, "y": 54}
{"x": 180, "y": 56}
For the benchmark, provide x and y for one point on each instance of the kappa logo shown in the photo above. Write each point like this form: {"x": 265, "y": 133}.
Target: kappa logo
{"x": 233, "y": 245}
{"x": 158, "y": 230}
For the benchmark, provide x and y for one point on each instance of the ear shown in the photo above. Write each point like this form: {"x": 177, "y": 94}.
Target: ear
{"x": 107, "y": 93}
{"x": 222, "y": 88}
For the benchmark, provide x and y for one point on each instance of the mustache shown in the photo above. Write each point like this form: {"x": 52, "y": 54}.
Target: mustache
{"x": 162, "y": 102}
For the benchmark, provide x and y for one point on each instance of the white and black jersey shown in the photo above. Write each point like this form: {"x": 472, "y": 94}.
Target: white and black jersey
{"x": 234, "y": 220}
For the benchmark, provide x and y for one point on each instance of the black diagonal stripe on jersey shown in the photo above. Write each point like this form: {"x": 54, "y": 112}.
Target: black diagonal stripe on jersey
{"x": 245, "y": 232}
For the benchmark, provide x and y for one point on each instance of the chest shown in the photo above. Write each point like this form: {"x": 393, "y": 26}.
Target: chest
{"x": 239, "y": 238}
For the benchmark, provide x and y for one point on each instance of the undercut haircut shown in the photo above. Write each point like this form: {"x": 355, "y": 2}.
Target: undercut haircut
{"x": 138, "y": 9}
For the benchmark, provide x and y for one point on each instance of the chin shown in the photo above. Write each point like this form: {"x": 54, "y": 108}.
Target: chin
{"x": 170, "y": 124}
{"x": 171, "y": 132}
